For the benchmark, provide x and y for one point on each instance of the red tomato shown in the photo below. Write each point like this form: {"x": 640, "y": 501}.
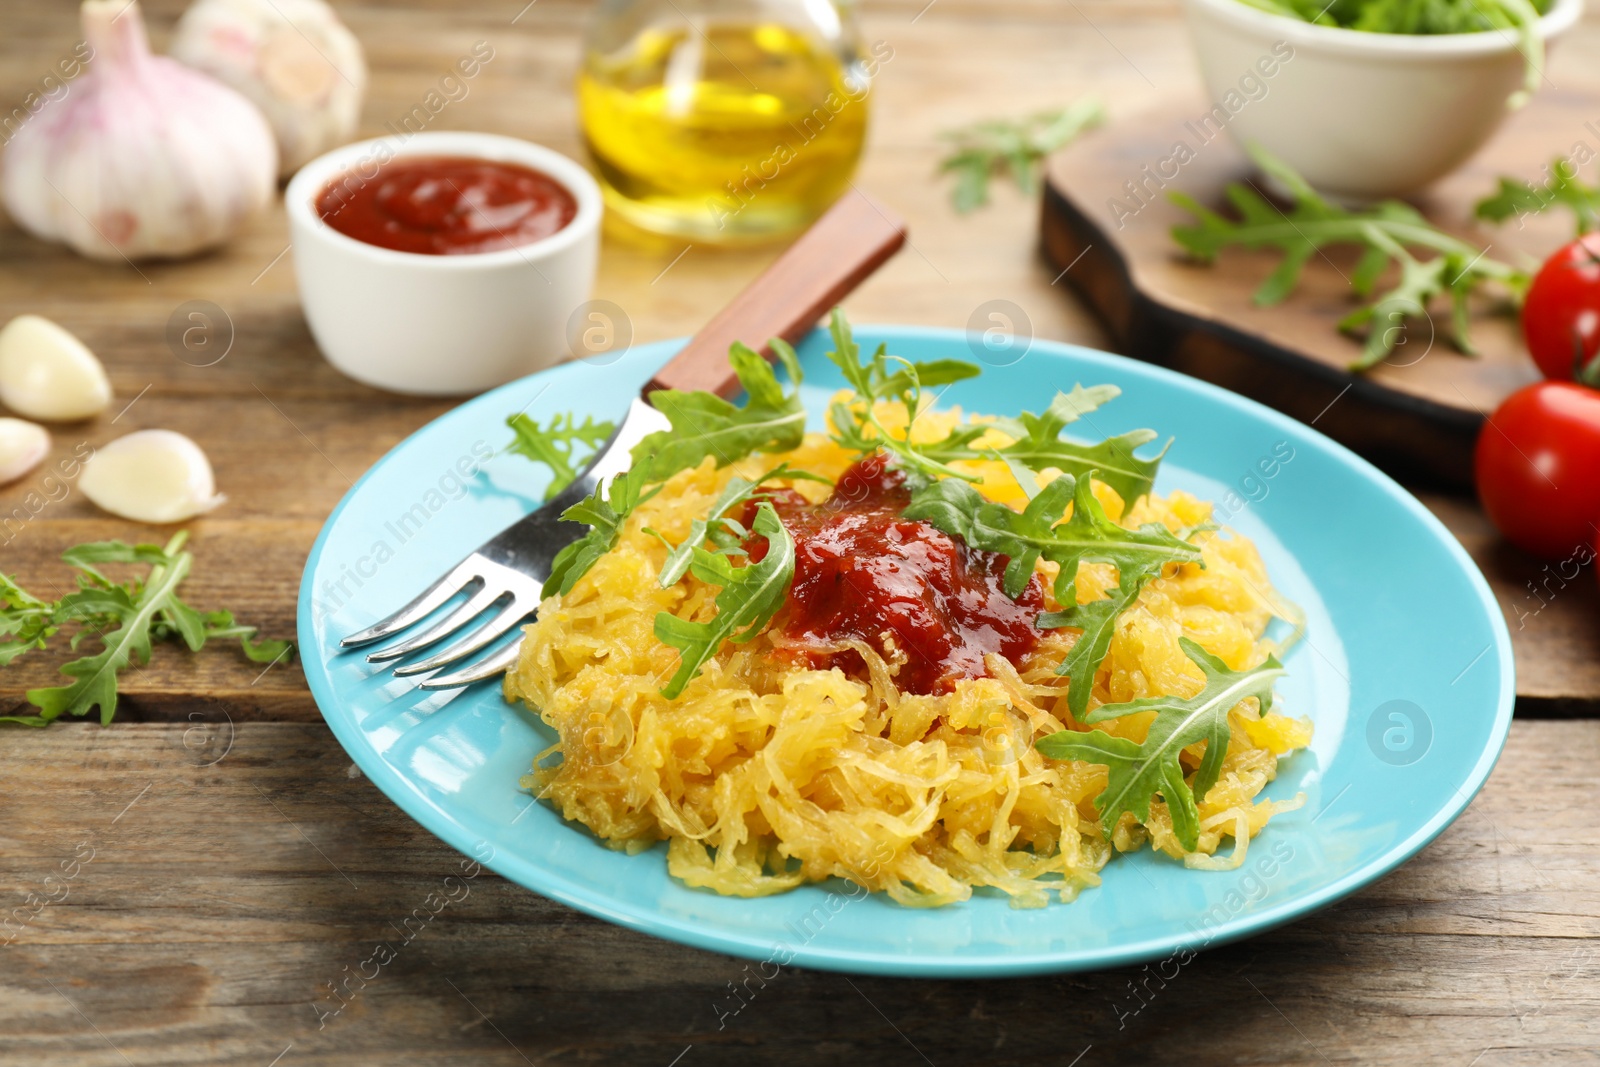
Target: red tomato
{"x": 1538, "y": 467}
{"x": 1562, "y": 313}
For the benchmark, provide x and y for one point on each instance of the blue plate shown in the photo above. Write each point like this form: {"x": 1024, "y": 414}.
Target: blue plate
{"x": 1406, "y": 671}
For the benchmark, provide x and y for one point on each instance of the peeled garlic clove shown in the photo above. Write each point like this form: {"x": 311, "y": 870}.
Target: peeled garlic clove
{"x": 293, "y": 59}
{"x": 154, "y": 476}
{"x": 46, "y": 373}
{"x": 22, "y": 446}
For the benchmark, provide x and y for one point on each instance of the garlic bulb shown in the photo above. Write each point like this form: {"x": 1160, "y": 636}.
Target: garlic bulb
{"x": 293, "y": 59}
{"x": 144, "y": 157}
{"x": 154, "y": 476}
{"x": 22, "y": 446}
{"x": 46, "y": 373}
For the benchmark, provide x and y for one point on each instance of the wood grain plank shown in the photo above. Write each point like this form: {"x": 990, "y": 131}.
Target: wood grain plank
{"x": 287, "y": 433}
{"x": 246, "y": 876}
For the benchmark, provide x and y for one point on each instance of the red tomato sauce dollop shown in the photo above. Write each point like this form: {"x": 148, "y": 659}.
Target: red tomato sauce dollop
{"x": 864, "y": 572}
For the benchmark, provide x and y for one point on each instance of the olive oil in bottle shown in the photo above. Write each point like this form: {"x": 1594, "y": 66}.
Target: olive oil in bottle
{"x": 719, "y": 130}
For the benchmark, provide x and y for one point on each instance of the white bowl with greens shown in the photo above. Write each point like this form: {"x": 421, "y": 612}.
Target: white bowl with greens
{"x": 1370, "y": 98}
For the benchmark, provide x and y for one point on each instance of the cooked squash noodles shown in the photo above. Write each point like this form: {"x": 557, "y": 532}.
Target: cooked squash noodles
{"x": 764, "y": 775}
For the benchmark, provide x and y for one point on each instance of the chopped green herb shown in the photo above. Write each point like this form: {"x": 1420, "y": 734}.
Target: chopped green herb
{"x": 127, "y": 617}
{"x": 1139, "y": 771}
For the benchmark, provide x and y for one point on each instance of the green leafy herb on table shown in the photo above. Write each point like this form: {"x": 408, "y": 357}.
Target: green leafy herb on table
{"x": 750, "y": 597}
{"x": 1386, "y": 233}
{"x": 562, "y": 445}
{"x": 1561, "y": 188}
{"x": 1089, "y": 536}
{"x": 1011, "y": 147}
{"x": 1140, "y": 771}
{"x": 126, "y": 617}
{"x": 1430, "y": 17}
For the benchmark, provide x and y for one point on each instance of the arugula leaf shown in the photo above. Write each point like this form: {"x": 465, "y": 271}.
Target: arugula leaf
{"x": 1023, "y": 536}
{"x": 704, "y": 424}
{"x": 127, "y": 617}
{"x": 1039, "y": 446}
{"x": 126, "y": 645}
{"x": 1386, "y": 231}
{"x": 750, "y": 597}
{"x": 717, "y": 526}
{"x": 26, "y": 622}
{"x": 857, "y": 427}
{"x": 1098, "y": 621}
{"x": 1011, "y": 147}
{"x": 220, "y": 625}
{"x": 1087, "y": 537}
{"x": 1138, "y": 771}
{"x": 604, "y": 511}
{"x": 1562, "y": 188}
{"x": 554, "y": 445}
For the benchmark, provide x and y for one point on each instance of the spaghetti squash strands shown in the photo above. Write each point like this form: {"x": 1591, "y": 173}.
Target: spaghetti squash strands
{"x": 767, "y": 773}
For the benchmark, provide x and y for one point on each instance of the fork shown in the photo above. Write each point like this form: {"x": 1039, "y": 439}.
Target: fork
{"x": 502, "y": 580}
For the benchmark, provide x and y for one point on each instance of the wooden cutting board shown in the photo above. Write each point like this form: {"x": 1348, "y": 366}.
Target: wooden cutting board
{"x": 1416, "y": 415}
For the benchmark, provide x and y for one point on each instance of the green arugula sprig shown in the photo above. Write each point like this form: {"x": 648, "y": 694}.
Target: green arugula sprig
{"x": 702, "y": 424}
{"x": 1011, "y": 147}
{"x": 128, "y": 618}
{"x": 750, "y": 597}
{"x": 886, "y": 378}
{"x": 603, "y": 511}
{"x": 557, "y": 445}
{"x": 1562, "y": 188}
{"x": 1089, "y": 536}
{"x": 1386, "y": 232}
{"x": 1039, "y": 446}
{"x": 26, "y": 622}
{"x": 718, "y": 525}
{"x": 1140, "y": 771}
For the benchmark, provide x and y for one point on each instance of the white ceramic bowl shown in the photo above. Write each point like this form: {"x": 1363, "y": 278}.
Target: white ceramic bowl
{"x": 441, "y": 325}
{"x": 1359, "y": 115}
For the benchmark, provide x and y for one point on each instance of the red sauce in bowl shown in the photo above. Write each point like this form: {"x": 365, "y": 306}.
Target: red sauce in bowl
{"x": 862, "y": 570}
{"x": 446, "y": 206}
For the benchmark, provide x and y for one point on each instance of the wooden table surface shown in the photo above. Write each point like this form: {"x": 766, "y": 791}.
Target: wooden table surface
{"x": 239, "y": 864}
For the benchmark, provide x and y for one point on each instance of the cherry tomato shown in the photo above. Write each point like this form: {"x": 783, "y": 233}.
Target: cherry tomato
{"x": 1538, "y": 467}
{"x": 1561, "y": 316}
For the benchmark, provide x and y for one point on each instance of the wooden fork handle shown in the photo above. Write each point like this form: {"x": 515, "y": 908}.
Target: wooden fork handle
{"x": 830, "y": 259}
